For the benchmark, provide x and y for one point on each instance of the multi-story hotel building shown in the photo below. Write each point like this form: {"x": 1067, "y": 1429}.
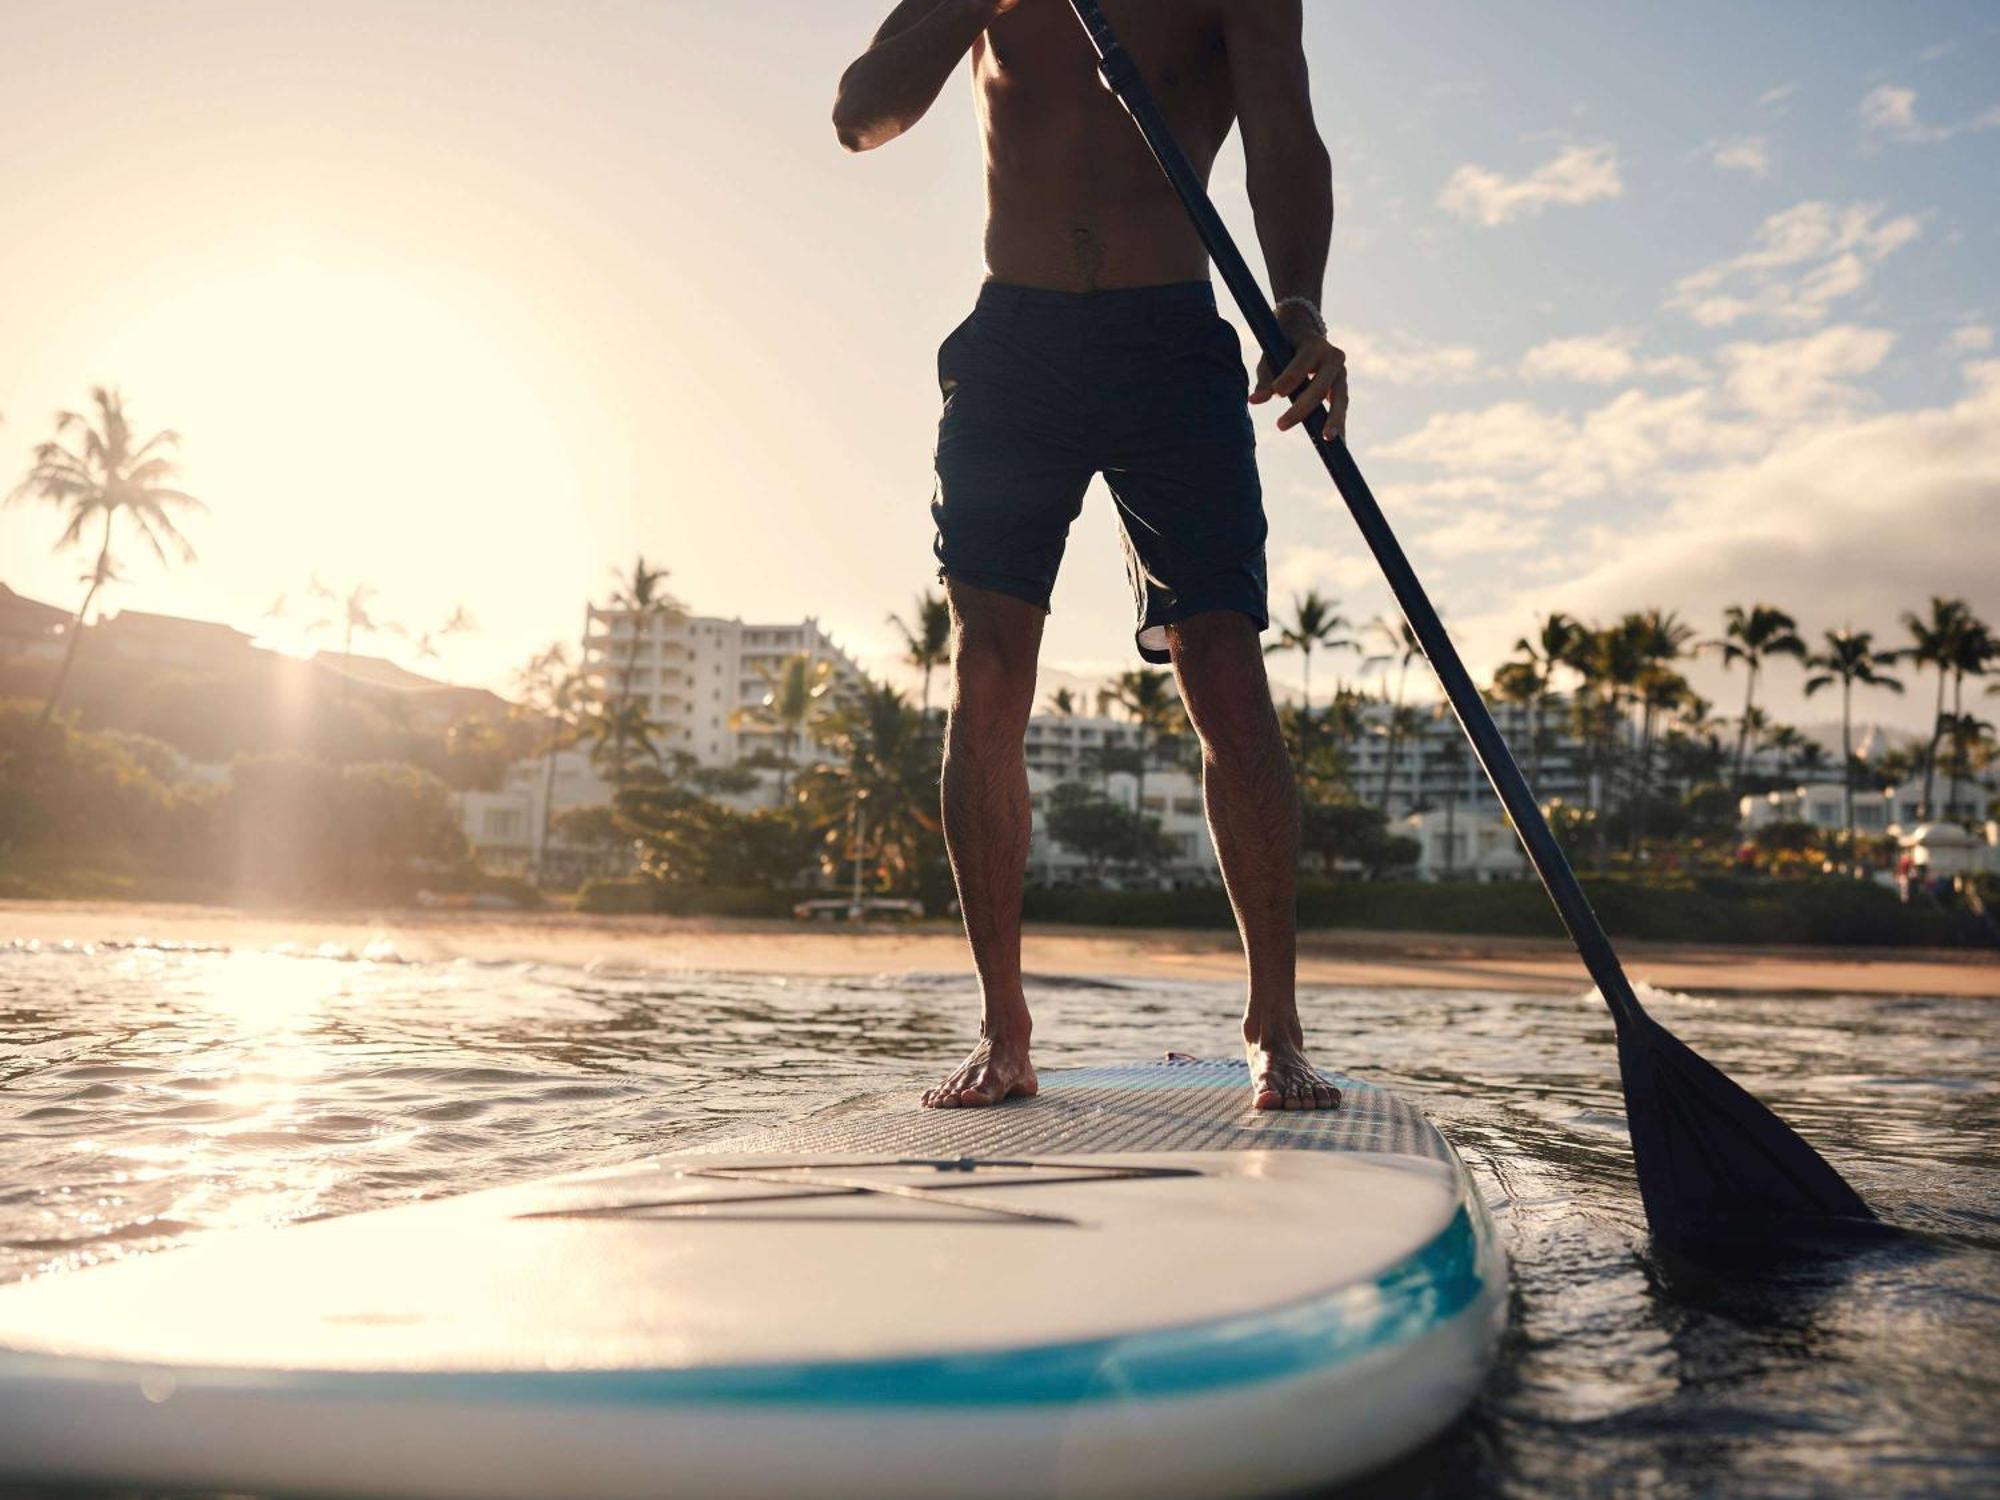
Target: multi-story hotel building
{"x": 693, "y": 673}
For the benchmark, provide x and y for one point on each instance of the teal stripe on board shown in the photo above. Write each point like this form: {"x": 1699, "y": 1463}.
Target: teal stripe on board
{"x": 1414, "y": 1296}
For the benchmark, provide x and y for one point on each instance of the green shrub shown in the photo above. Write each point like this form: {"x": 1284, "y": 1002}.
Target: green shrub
{"x": 618, "y": 896}
{"x": 1831, "y": 913}
{"x": 636, "y": 895}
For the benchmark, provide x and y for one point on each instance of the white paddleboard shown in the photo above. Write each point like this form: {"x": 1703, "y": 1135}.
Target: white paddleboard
{"x": 1133, "y": 1284}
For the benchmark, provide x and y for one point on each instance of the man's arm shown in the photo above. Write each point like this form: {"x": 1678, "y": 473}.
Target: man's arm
{"x": 888, "y": 88}
{"x": 1290, "y": 179}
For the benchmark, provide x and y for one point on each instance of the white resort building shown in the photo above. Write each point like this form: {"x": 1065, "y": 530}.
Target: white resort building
{"x": 1068, "y": 747}
{"x": 692, "y": 673}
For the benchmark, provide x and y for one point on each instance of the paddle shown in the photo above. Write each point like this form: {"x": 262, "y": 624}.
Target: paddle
{"x": 1714, "y": 1165}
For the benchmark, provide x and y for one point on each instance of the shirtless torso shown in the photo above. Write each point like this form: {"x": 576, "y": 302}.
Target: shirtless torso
{"x": 1074, "y": 201}
{"x": 1084, "y": 235}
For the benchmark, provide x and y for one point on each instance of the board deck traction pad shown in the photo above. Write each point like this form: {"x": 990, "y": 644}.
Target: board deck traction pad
{"x": 1165, "y": 1106}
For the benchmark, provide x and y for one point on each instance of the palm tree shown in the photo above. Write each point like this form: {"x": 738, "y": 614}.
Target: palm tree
{"x": 1452, "y": 752}
{"x": 1973, "y": 651}
{"x": 553, "y": 691}
{"x": 1609, "y": 662}
{"x": 1063, "y": 702}
{"x": 1966, "y": 734}
{"x": 1315, "y": 626}
{"x": 1406, "y": 722}
{"x": 459, "y": 622}
{"x": 97, "y": 478}
{"x": 1518, "y": 683}
{"x": 1934, "y": 643}
{"x": 883, "y": 761}
{"x": 1702, "y": 739}
{"x": 1658, "y": 637}
{"x": 1752, "y": 636}
{"x": 350, "y": 615}
{"x": 1400, "y": 645}
{"x": 1532, "y": 678}
{"x": 1788, "y": 742}
{"x": 620, "y": 734}
{"x": 1850, "y": 657}
{"x": 800, "y": 698}
{"x": 642, "y": 599}
{"x": 1147, "y": 695}
{"x": 928, "y": 642}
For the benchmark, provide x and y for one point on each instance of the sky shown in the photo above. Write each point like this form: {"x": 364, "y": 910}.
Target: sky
{"x": 1678, "y": 304}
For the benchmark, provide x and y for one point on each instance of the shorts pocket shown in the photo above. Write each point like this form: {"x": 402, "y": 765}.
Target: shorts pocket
{"x": 951, "y": 356}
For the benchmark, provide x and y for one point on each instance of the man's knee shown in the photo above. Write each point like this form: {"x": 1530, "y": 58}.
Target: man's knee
{"x": 1220, "y": 663}
{"x": 995, "y": 642}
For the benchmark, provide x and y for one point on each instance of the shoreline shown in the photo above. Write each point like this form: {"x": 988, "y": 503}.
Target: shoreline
{"x": 1343, "y": 958}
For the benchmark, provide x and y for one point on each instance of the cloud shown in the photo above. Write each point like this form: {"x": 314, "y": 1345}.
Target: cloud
{"x": 1432, "y": 495}
{"x": 1800, "y": 262}
{"x": 1510, "y": 436}
{"x": 1844, "y": 523}
{"x": 1576, "y": 174}
{"x": 1399, "y": 359}
{"x": 1598, "y": 358}
{"x": 1890, "y": 111}
{"x": 1854, "y": 522}
{"x": 1750, "y": 153}
{"x": 1969, "y": 338}
{"x": 1790, "y": 378}
{"x": 1526, "y": 457}
{"x": 1344, "y": 569}
{"x": 1481, "y": 532}
{"x": 1773, "y": 98}
{"x": 1541, "y": 459}
{"x": 1601, "y": 359}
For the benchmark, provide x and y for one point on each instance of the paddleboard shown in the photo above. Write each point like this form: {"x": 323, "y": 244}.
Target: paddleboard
{"x": 1133, "y": 1284}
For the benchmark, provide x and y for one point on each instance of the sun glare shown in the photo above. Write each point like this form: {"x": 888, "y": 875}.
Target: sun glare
{"x": 355, "y": 424}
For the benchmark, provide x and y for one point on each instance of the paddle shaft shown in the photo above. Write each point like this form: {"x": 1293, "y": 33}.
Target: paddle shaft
{"x": 1122, "y": 76}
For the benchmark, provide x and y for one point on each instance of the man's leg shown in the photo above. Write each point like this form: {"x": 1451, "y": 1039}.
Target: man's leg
{"x": 995, "y": 640}
{"x": 1253, "y": 816}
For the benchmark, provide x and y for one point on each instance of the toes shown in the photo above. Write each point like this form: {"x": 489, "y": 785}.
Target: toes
{"x": 1268, "y": 1098}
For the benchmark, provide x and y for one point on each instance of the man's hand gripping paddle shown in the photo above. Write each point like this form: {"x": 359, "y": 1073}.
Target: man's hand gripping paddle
{"x": 1716, "y": 1168}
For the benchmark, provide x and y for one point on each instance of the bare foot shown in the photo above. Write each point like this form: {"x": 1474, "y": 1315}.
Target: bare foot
{"x": 997, "y": 1069}
{"x": 1281, "y": 1077}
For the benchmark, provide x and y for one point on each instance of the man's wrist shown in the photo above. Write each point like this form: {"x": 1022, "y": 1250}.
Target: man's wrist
{"x": 1303, "y": 307}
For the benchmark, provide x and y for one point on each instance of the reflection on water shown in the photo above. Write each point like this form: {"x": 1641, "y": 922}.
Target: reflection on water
{"x": 149, "y": 1095}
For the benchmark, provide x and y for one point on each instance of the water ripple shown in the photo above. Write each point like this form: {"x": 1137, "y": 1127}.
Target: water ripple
{"x": 153, "y": 1093}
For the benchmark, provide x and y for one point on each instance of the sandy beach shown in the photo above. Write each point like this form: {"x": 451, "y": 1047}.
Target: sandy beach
{"x": 1368, "y": 959}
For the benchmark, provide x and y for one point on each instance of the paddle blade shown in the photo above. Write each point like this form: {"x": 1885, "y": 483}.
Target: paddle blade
{"x": 1716, "y": 1168}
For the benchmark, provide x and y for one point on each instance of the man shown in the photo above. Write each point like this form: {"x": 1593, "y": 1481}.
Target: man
{"x": 1095, "y": 348}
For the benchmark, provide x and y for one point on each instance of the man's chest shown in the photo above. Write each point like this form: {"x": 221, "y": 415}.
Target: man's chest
{"x": 1038, "y": 52}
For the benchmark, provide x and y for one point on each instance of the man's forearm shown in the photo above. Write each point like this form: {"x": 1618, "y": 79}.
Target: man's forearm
{"x": 890, "y": 86}
{"x": 1291, "y": 195}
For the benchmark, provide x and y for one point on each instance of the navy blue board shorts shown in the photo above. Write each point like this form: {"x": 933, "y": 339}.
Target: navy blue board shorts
{"x": 1144, "y": 385}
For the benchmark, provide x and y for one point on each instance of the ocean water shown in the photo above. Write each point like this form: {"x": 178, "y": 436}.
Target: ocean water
{"x": 153, "y": 1095}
